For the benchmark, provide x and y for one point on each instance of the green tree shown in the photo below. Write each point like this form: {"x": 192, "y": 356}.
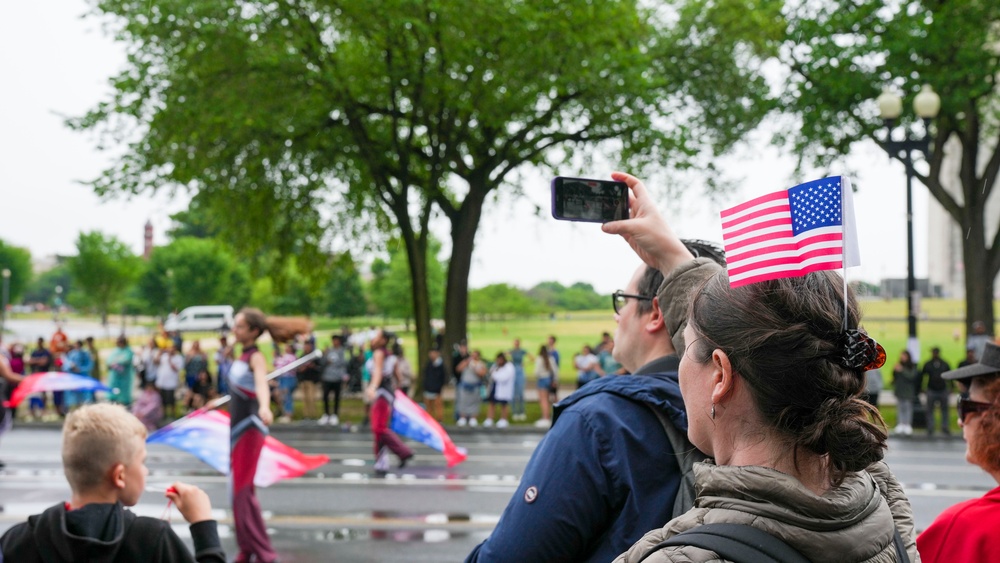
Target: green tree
{"x": 103, "y": 270}
{"x": 42, "y": 288}
{"x": 840, "y": 54}
{"x": 18, "y": 261}
{"x": 387, "y": 110}
{"x": 390, "y": 290}
{"x": 501, "y": 300}
{"x": 191, "y": 271}
{"x": 343, "y": 293}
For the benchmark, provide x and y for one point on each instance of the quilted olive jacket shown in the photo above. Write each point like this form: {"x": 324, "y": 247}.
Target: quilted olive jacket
{"x": 851, "y": 523}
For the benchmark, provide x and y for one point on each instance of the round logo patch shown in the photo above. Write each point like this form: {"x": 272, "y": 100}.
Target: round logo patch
{"x": 531, "y": 494}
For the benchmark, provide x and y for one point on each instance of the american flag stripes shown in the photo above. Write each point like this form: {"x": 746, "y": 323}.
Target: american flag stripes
{"x": 791, "y": 232}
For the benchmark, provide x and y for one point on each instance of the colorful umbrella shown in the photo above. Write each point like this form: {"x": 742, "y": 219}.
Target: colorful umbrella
{"x": 54, "y": 381}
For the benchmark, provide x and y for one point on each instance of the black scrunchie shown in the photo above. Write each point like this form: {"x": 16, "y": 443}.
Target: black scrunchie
{"x": 860, "y": 351}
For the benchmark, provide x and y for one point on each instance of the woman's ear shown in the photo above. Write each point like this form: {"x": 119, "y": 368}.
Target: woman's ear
{"x": 723, "y": 381}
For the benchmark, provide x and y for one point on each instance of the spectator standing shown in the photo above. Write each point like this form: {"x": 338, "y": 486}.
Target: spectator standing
{"x": 938, "y": 391}
{"x": 148, "y": 405}
{"x": 77, "y": 361}
{"x": 468, "y": 400}
{"x": 403, "y": 373}
{"x": 517, "y": 356}
{"x": 169, "y": 363}
{"x": 120, "y": 377}
{"x": 40, "y": 361}
{"x": 309, "y": 376}
{"x": 434, "y": 377}
{"x": 979, "y": 338}
{"x": 588, "y": 367}
{"x": 873, "y": 386}
{"x": 335, "y": 362}
{"x": 195, "y": 362}
{"x": 224, "y": 359}
{"x": 8, "y": 379}
{"x": 287, "y": 382}
{"x": 501, "y": 390}
{"x": 906, "y": 384}
{"x": 95, "y": 357}
{"x": 546, "y": 376}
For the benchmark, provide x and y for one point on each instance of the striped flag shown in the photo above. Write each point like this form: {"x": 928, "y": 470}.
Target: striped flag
{"x": 409, "y": 420}
{"x": 205, "y": 434}
{"x": 792, "y": 232}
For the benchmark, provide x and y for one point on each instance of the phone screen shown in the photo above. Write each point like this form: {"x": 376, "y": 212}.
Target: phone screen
{"x": 593, "y": 201}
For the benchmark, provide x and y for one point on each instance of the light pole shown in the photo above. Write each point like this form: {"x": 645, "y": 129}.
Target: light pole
{"x": 58, "y": 303}
{"x": 6, "y": 297}
{"x": 926, "y": 106}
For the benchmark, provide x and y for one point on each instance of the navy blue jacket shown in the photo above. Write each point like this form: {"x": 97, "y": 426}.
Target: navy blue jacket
{"x": 603, "y": 476}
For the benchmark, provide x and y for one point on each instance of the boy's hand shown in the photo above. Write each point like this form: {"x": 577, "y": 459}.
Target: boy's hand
{"x": 191, "y": 501}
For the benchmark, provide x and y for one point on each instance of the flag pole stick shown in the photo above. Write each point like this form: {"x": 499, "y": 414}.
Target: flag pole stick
{"x": 219, "y": 401}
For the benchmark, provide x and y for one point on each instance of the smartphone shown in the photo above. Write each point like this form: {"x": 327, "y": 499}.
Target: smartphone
{"x": 588, "y": 200}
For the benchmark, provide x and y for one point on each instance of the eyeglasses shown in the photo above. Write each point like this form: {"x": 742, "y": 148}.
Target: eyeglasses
{"x": 968, "y": 406}
{"x": 619, "y": 299}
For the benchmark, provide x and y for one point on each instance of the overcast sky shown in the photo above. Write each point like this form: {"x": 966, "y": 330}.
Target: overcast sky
{"x": 56, "y": 63}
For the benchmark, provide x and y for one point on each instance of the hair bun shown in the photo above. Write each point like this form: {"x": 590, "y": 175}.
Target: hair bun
{"x": 860, "y": 351}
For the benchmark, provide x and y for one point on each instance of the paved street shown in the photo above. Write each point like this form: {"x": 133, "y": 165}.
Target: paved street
{"x": 425, "y": 513}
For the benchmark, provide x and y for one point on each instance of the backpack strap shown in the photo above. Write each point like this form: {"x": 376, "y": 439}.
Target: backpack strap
{"x": 687, "y": 455}
{"x": 734, "y": 542}
{"x": 897, "y": 540}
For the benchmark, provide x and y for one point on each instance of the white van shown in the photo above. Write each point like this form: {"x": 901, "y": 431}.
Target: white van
{"x": 201, "y": 318}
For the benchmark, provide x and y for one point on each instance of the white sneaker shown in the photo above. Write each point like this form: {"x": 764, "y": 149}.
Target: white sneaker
{"x": 284, "y": 419}
{"x": 488, "y": 423}
{"x": 473, "y": 422}
{"x": 543, "y": 423}
{"x": 502, "y": 423}
{"x": 324, "y": 419}
{"x": 334, "y": 420}
{"x": 463, "y": 421}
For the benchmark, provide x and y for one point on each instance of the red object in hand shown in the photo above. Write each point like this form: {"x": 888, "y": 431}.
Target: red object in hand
{"x": 172, "y": 490}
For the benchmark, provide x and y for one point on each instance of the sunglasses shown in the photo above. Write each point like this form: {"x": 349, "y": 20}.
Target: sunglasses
{"x": 968, "y": 406}
{"x": 619, "y": 299}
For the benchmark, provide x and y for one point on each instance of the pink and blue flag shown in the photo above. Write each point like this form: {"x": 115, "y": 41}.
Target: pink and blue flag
{"x": 413, "y": 422}
{"x": 205, "y": 434}
{"x": 54, "y": 381}
{"x": 790, "y": 233}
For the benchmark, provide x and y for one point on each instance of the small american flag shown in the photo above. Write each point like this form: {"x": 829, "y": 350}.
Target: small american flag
{"x": 792, "y": 232}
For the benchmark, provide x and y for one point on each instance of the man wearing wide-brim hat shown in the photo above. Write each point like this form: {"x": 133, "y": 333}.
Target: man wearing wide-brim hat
{"x": 967, "y": 531}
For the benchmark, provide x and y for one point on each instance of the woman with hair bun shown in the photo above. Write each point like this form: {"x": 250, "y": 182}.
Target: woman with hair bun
{"x": 968, "y": 530}
{"x": 249, "y": 415}
{"x": 771, "y": 375}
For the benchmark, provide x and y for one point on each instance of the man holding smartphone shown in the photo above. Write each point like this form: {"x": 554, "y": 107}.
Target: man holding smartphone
{"x": 610, "y": 469}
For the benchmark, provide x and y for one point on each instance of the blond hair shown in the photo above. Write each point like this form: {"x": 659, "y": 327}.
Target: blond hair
{"x": 95, "y": 439}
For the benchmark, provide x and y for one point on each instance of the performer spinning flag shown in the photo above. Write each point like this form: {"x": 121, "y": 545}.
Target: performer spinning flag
{"x": 792, "y": 232}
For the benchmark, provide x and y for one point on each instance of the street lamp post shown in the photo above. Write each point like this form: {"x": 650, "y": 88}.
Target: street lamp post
{"x": 926, "y": 106}
{"x": 58, "y": 303}
{"x": 6, "y": 297}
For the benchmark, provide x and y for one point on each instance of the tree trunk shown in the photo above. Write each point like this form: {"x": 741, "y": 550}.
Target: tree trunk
{"x": 416, "y": 254}
{"x": 463, "y": 239}
{"x": 978, "y": 275}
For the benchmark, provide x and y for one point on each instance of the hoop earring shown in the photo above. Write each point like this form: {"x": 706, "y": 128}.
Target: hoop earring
{"x": 713, "y": 411}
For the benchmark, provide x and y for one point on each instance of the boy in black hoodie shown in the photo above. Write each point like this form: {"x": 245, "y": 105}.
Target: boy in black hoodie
{"x": 104, "y": 459}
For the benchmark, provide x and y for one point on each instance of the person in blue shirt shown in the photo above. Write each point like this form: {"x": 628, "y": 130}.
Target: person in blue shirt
{"x": 78, "y": 361}
{"x": 607, "y": 472}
